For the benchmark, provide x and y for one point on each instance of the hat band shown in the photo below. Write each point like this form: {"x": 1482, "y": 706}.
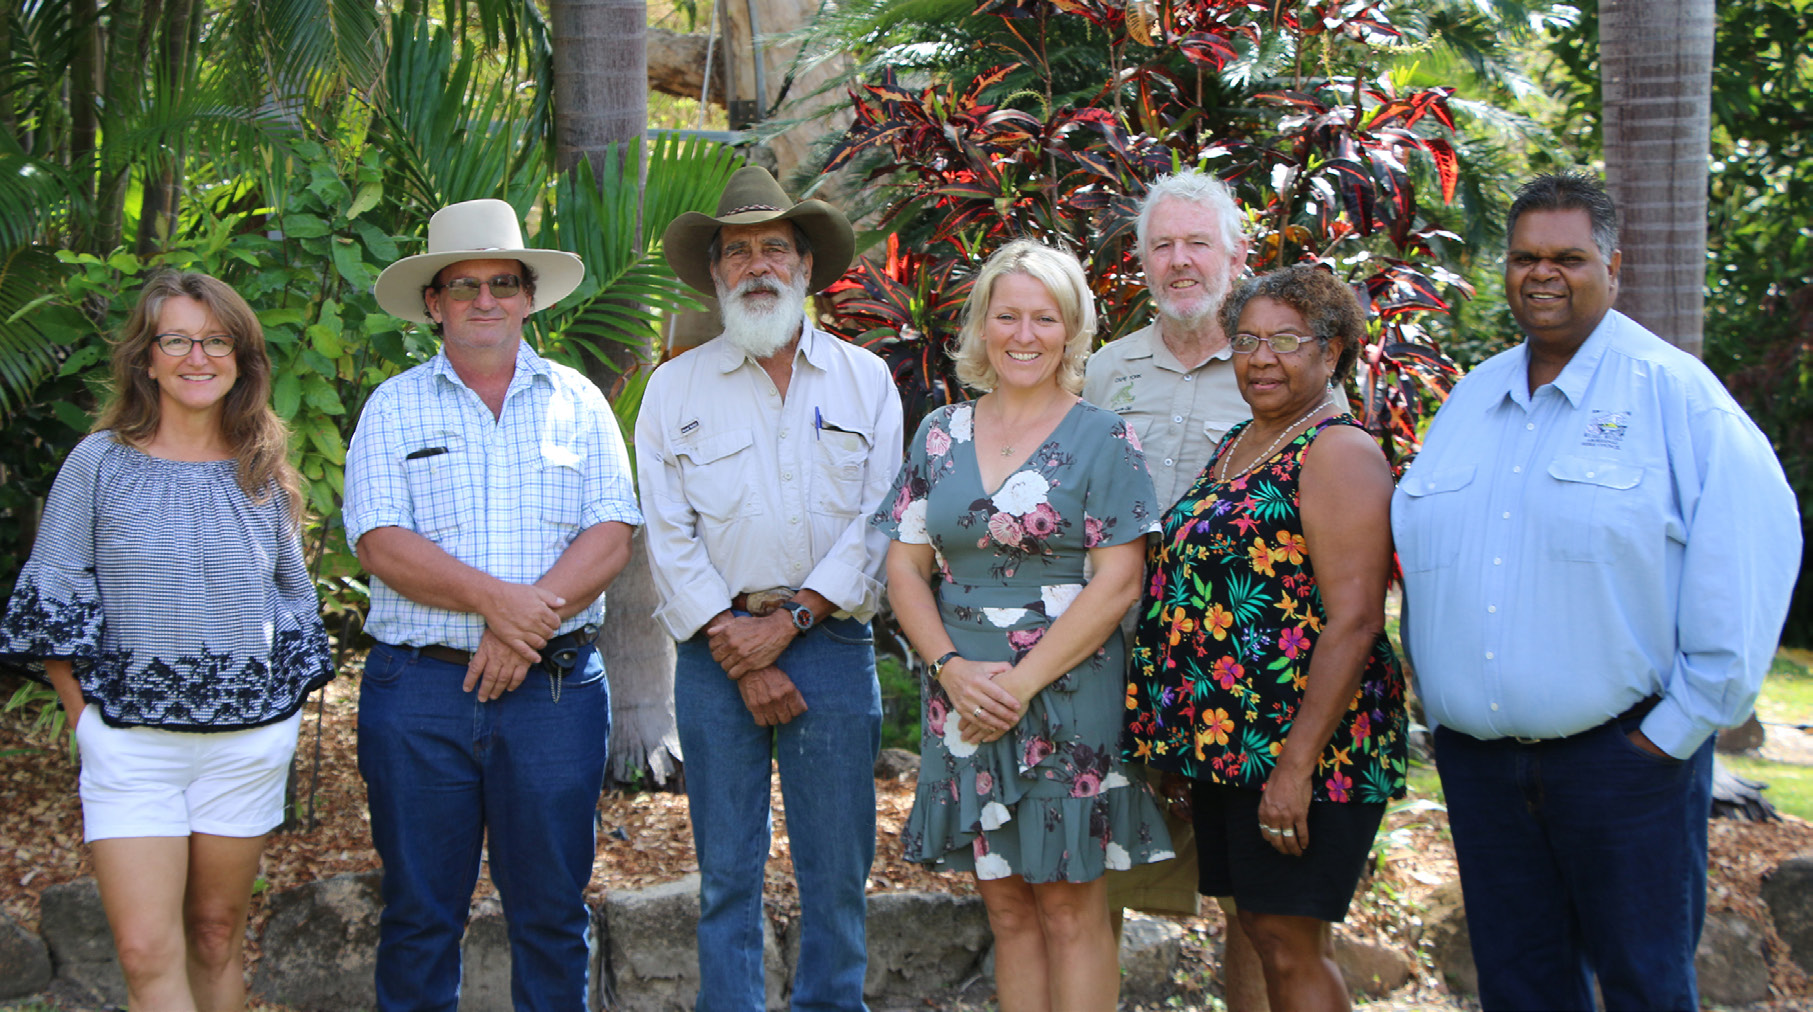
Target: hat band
{"x": 749, "y": 207}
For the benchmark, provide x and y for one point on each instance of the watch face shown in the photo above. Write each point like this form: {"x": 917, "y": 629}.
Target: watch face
{"x": 802, "y": 615}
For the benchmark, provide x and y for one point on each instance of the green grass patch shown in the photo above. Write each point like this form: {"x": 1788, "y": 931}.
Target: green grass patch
{"x": 899, "y": 704}
{"x": 1787, "y": 696}
{"x": 1790, "y": 784}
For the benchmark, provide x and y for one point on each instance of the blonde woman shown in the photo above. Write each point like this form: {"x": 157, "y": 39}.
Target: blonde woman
{"x": 1001, "y": 503}
{"x": 167, "y": 602}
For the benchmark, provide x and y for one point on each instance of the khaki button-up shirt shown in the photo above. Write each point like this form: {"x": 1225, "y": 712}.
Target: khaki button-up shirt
{"x": 745, "y": 490}
{"x": 1180, "y": 414}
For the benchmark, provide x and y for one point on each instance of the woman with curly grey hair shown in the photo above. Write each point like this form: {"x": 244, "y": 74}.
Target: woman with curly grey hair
{"x": 1260, "y": 666}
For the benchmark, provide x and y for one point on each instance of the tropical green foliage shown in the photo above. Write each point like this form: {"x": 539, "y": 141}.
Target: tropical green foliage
{"x": 306, "y": 143}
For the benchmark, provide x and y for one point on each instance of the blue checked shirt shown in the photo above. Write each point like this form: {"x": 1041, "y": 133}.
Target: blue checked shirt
{"x": 1622, "y": 532}
{"x": 506, "y": 495}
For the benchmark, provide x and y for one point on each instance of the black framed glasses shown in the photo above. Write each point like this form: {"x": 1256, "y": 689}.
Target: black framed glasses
{"x": 503, "y": 286}
{"x": 1282, "y": 344}
{"x": 178, "y": 345}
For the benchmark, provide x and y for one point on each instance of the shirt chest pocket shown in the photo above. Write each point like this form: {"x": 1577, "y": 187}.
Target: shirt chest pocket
{"x": 1433, "y": 507}
{"x": 840, "y": 460}
{"x": 717, "y": 474}
{"x": 1597, "y": 513}
{"x": 437, "y": 486}
{"x": 560, "y": 486}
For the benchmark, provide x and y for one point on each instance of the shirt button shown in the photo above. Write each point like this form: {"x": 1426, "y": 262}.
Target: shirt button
{"x": 1589, "y": 474}
{"x": 1168, "y": 461}
{"x": 1494, "y": 707}
{"x": 783, "y": 433}
{"x": 1507, "y": 515}
{"x": 1187, "y": 379}
{"x": 1488, "y": 655}
{"x": 1529, "y": 425}
{"x": 1497, "y": 562}
{"x": 788, "y": 476}
{"x": 1516, "y": 468}
{"x": 1177, "y": 418}
{"x": 1492, "y": 609}
{"x": 794, "y": 519}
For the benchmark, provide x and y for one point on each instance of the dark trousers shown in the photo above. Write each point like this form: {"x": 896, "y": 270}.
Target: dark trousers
{"x": 1580, "y": 857}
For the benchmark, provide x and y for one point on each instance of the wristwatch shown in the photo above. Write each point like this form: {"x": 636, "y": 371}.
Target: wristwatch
{"x": 802, "y": 615}
{"x": 937, "y": 666}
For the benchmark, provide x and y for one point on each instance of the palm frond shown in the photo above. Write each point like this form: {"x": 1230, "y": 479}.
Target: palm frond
{"x": 28, "y": 351}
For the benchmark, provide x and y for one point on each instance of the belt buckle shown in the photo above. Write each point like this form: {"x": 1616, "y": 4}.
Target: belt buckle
{"x": 1528, "y": 741}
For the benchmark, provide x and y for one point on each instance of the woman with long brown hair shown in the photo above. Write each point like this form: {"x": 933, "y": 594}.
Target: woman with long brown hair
{"x": 168, "y": 604}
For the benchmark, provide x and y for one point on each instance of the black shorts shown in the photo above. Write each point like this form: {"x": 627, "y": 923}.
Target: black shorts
{"x": 1235, "y": 860}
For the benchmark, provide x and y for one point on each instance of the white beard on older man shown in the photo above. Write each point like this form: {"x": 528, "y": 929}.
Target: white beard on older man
{"x": 763, "y": 314}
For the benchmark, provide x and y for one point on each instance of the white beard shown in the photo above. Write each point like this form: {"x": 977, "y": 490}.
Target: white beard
{"x": 1215, "y": 288}
{"x": 760, "y": 333}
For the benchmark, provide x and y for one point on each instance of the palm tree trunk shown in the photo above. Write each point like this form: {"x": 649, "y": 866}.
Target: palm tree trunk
{"x": 639, "y": 662}
{"x": 1656, "y": 68}
{"x": 601, "y": 99}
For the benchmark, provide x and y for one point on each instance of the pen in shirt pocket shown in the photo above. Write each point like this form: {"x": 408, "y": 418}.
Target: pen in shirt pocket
{"x": 818, "y": 423}
{"x": 426, "y": 451}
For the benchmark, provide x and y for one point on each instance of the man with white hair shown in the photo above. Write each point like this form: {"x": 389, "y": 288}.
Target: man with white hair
{"x": 762, "y": 453}
{"x": 1173, "y": 381}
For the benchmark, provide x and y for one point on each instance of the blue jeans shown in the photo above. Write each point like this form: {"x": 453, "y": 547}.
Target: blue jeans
{"x": 827, "y": 760}
{"x": 1579, "y": 857}
{"x": 441, "y": 769}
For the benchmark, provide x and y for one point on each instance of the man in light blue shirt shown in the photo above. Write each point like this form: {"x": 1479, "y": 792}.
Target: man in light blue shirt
{"x": 1598, "y": 549}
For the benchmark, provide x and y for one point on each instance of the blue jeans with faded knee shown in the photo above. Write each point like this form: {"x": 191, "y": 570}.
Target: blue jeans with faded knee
{"x": 442, "y": 772}
{"x": 1580, "y": 858}
{"x": 827, "y": 764}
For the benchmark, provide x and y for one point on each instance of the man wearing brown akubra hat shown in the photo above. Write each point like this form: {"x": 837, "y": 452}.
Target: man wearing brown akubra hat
{"x": 762, "y": 452}
{"x": 488, "y": 494}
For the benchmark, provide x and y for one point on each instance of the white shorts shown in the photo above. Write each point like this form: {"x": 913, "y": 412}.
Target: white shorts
{"x": 143, "y": 781}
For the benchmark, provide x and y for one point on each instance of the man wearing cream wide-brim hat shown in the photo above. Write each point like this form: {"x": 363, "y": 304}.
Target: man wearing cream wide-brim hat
{"x": 489, "y": 495}
{"x": 762, "y": 452}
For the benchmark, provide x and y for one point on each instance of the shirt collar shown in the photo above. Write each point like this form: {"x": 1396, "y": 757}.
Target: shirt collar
{"x": 1575, "y": 377}
{"x": 1149, "y": 342}
{"x": 731, "y": 357}
{"x": 528, "y": 366}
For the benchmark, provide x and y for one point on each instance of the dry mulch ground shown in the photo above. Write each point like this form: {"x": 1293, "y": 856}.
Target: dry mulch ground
{"x": 647, "y": 839}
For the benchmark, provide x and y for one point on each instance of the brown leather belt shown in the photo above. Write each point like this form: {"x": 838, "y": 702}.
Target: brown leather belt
{"x": 761, "y": 602}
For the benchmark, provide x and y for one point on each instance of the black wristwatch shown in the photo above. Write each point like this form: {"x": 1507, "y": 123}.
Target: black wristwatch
{"x": 802, "y": 615}
{"x": 937, "y": 666}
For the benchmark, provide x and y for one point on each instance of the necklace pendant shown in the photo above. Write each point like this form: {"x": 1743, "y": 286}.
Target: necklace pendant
{"x": 1007, "y": 451}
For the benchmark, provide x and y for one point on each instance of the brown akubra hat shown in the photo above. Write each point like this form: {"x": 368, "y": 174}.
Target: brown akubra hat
{"x": 751, "y": 198}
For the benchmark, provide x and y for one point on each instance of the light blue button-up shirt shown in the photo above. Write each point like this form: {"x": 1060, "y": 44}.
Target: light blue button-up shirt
{"x": 1622, "y": 532}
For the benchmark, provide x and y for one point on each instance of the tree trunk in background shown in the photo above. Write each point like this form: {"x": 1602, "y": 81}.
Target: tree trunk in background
{"x": 600, "y": 76}
{"x": 1656, "y": 68}
{"x": 639, "y": 661}
{"x": 824, "y": 116}
{"x": 84, "y": 77}
{"x": 601, "y": 99}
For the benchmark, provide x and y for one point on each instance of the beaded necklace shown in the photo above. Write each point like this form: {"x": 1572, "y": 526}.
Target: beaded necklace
{"x": 1289, "y": 430}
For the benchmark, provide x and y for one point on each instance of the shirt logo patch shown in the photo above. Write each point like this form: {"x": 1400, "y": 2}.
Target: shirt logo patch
{"x": 1606, "y": 429}
{"x": 1122, "y": 398}
{"x": 689, "y": 427}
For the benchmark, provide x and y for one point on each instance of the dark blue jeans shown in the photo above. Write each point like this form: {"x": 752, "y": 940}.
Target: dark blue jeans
{"x": 827, "y": 762}
{"x": 1579, "y": 857}
{"x": 441, "y": 771}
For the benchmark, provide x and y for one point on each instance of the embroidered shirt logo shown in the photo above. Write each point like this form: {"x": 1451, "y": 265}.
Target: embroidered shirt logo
{"x": 1121, "y": 400}
{"x": 689, "y": 427}
{"x": 1606, "y": 429}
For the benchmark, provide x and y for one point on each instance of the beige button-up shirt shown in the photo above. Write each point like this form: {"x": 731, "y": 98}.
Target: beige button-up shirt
{"x": 1180, "y": 414}
{"x": 744, "y": 490}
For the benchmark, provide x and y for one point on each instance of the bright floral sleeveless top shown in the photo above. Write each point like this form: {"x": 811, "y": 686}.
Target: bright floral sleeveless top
{"x": 1226, "y": 631}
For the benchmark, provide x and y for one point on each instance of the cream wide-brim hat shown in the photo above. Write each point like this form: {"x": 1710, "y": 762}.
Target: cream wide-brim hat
{"x": 474, "y": 230}
{"x": 752, "y": 197}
